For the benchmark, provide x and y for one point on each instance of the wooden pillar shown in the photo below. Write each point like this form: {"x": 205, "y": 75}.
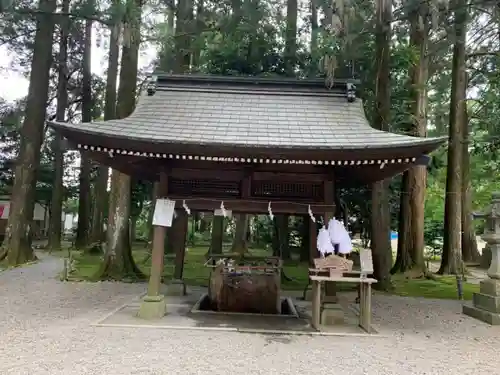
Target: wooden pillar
{"x": 179, "y": 233}
{"x": 313, "y": 235}
{"x": 153, "y": 305}
{"x": 329, "y": 198}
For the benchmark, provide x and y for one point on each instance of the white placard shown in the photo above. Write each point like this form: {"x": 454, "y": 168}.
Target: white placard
{"x": 218, "y": 212}
{"x": 366, "y": 261}
{"x": 164, "y": 212}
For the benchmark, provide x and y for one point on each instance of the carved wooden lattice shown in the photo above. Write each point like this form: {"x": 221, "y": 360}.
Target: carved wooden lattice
{"x": 335, "y": 264}
{"x": 311, "y": 191}
{"x": 204, "y": 188}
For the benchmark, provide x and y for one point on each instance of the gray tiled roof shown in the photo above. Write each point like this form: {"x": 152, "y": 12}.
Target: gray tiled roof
{"x": 253, "y": 118}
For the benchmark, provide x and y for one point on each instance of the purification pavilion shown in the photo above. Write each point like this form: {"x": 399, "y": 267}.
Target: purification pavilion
{"x": 245, "y": 141}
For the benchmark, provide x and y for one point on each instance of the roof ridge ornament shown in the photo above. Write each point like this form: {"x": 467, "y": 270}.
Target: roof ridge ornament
{"x": 152, "y": 85}
{"x": 351, "y": 92}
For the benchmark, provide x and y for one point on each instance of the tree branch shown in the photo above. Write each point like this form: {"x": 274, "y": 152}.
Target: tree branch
{"x": 482, "y": 54}
{"x": 29, "y": 11}
{"x": 10, "y": 40}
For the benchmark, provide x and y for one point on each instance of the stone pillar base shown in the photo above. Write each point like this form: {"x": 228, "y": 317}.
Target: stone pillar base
{"x": 176, "y": 288}
{"x": 486, "y": 303}
{"x": 483, "y": 315}
{"x": 332, "y": 314}
{"x": 152, "y": 307}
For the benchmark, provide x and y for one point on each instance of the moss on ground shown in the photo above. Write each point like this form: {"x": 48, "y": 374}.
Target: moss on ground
{"x": 196, "y": 274}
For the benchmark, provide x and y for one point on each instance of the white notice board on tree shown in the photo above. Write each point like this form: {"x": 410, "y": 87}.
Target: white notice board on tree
{"x": 164, "y": 212}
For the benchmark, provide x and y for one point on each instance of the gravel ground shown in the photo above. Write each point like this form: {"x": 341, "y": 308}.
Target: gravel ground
{"x": 44, "y": 329}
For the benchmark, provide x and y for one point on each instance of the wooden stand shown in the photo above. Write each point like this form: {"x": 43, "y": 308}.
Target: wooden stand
{"x": 365, "y": 305}
{"x": 336, "y": 270}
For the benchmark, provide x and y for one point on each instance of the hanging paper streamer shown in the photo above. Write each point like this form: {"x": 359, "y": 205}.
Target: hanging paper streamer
{"x": 164, "y": 212}
{"x": 185, "y": 206}
{"x": 311, "y": 214}
{"x": 223, "y": 209}
{"x": 271, "y": 216}
{"x": 323, "y": 242}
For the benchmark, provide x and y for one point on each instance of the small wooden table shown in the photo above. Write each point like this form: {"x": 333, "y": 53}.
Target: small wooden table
{"x": 365, "y": 298}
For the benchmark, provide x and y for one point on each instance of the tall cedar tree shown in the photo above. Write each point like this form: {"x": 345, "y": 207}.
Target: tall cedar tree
{"x": 119, "y": 263}
{"x": 380, "y": 242}
{"x": 17, "y": 243}
{"x": 82, "y": 230}
{"x": 101, "y": 184}
{"x": 55, "y": 224}
{"x": 451, "y": 261}
{"x": 410, "y": 254}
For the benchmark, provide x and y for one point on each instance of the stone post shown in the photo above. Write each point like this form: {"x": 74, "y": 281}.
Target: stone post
{"x": 486, "y": 303}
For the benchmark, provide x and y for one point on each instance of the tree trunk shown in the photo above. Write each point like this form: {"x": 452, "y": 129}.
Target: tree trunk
{"x": 281, "y": 237}
{"x": 380, "y": 240}
{"x": 17, "y": 242}
{"x": 119, "y": 263}
{"x": 101, "y": 184}
{"x": 451, "y": 261}
{"x": 240, "y": 234}
{"x": 196, "y": 221}
{"x": 314, "y": 31}
{"x": 200, "y": 26}
{"x": 304, "y": 239}
{"x": 55, "y": 220}
{"x": 84, "y": 205}
{"x": 290, "y": 54}
{"x": 133, "y": 228}
{"x": 179, "y": 235}
{"x": 99, "y": 204}
{"x": 217, "y": 235}
{"x": 183, "y": 30}
{"x": 154, "y": 196}
{"x": 167, "y": 53}
{"x": 118, "y": 251}
{"x": 203, "y": 222}
{"x": 411, "y": 243}
{"x": 470, "y": 252}
{"x": 403, "y": 261}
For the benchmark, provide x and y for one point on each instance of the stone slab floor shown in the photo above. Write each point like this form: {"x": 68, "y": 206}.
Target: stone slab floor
{"x": 45, "y": 328}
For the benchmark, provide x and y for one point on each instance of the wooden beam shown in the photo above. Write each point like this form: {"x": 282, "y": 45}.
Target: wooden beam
{"x": 329, "y": 195}
{"x": 149, "y": 168}
{"x": 281, "y": 168}
{"x": 158, "y": 246}
{"x": 179, "y": 231}
{"x": 207, "y": 174}
{"x": 249, "y": 206}
{"x": 246, "y": 184}
{"x": 313, "y": 236}
{"x": 288, "y": 177}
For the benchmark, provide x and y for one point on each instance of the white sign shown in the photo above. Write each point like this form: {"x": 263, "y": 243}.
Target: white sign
{"x": 164, "y": 212}
{"x": 218, "y": 212}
